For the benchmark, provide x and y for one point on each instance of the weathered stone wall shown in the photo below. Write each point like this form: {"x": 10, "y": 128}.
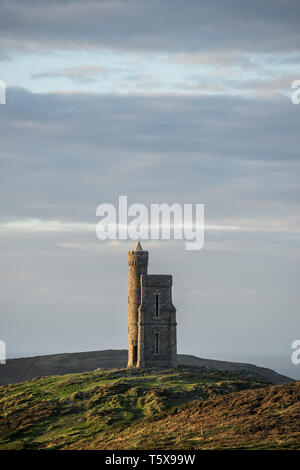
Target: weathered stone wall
{"x": 150, "y": 324}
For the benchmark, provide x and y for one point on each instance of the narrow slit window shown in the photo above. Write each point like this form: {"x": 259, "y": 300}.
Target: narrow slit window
{"x": 156, "y": 343}
{"x": 156, "y": 305}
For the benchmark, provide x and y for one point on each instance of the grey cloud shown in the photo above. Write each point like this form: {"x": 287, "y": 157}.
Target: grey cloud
{"x": 151, "y": 25}
{"x": 281, "y": 82}
{"x": 214, "y": 59}
{"x": 83, "y": 74}
{"x": 62, "y": 155}
{"x": 5, "y": 57}
{"x": 153, "y": 124}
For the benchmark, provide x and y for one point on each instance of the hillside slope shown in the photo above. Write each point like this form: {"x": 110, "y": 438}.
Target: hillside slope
{"x": 18, "y": 370}
{"x": 181, "y": 408}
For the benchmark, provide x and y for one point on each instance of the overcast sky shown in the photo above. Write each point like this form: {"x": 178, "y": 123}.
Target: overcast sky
{"x": 162, "y": 101}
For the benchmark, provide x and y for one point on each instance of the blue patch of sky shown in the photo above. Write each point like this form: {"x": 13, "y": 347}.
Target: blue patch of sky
{"x": 127, "y": 73}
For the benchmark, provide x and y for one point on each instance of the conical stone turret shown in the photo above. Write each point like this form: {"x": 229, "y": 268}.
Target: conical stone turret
{"x": 137, "y": 265}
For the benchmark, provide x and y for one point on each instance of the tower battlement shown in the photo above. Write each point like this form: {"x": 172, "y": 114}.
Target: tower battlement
{"x": 143, "y": 254}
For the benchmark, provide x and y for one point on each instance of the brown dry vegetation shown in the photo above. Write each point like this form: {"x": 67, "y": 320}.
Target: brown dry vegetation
{"x": 251, "y": 419}
{"x": 181, "y": 408}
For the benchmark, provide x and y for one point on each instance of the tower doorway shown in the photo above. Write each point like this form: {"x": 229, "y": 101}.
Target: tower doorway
{"x": 134, "y": 357}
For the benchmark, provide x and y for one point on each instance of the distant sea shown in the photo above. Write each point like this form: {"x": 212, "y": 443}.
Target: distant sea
{"x": 281, "y": 363}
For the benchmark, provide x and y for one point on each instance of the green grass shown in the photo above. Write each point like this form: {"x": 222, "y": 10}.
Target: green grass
{"x": 95, "y": 409}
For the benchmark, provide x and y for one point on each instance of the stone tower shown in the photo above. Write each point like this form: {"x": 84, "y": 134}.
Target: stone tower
{"x": 151, "y": 315}
{"x": 138, "y": 265}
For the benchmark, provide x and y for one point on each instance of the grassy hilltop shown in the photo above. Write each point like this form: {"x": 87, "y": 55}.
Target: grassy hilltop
{"x": 19, "y": 370}
{"x": 182, "y": 408}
